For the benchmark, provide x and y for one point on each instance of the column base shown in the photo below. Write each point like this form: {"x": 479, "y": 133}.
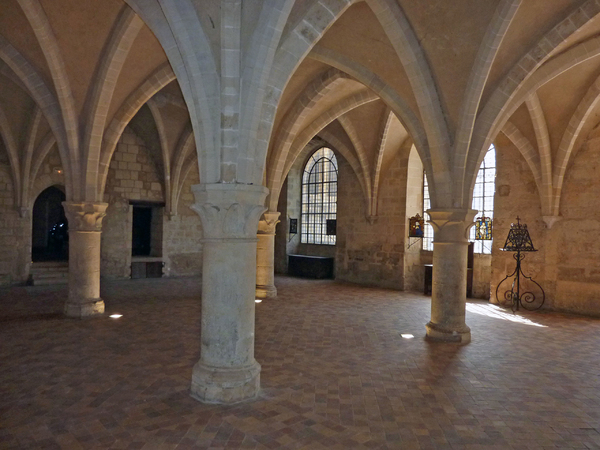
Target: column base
{"x": 89, "y": 308}
{"x": 266, "y": 291}
{"x": 225, "y": 385}
{"x": 439, "y": 333}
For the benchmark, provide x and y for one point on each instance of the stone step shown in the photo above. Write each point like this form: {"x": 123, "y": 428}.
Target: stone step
{"x": 49, "y": 281}
{"x": 35, "y": 271}
{"x": 49, "y": 265}
{"x": 48, "y": 273}
{"x": 53, "y": 274}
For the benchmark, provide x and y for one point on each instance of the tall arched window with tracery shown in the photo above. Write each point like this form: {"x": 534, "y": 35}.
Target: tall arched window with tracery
{"x": 428, "y": 229}
{"x": 483, "y": 198}
{"x": 319, "y": 198}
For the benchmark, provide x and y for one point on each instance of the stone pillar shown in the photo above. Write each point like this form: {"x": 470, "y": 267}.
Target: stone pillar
{"x": 227, "y": 371}
{"x": 449, "y": 286}
{"x": 85, "y": 227}
{"x": 265, "y": 253}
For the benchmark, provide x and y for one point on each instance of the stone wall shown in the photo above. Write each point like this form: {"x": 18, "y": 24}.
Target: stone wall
{"x": 282, "y": 232}
{"x": 135, "y": 175}
{"x": 517, "y": 195}
{"x": 182, "y": 245}
{"x": 370, "y": 250}
{"x": 132, "y": 175}
{"x": 15, "y": 233}
{"x": 572, "y": 248}
{"x": 482, "y": 273}
{"x": 49, "y": 174}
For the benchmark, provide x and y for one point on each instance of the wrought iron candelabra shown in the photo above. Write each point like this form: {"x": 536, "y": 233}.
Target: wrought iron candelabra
{"x": 519, "y": 241}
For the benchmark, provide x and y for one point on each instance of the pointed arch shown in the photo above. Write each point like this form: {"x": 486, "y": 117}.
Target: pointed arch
{"x": 45, "y": 99}
{"x": 164, "y": 150}
{"x": 349, "y": 156}
{"x": 32, "y": 132}
{"x": 383, "y": 135}
{"x": 517, "y": 85}
{"x": 256, "y": 66}
{"x": 39, "y": 156}
{"x": 179, "y": 170}
{"x": 550, "y": 70}
{"x": 288, "y": 155}
{"x": 155, "y": 82}
{"x": 486, "y": 54}
{"x": 360, "y": 151}
{"x": 410, "y": 53}
{"x": 567, "y": 143}
{"x": 45, "y": 36}
{"x": 332, "y": 141}
{"x": 190, "y": 163}
{"x": 117, "y": 48}
{"x": 294, "y": 47}
{"x": 294, "y": 118}
{"x": 13, "y": 155}
{"x": 526, "y": 149}
{"x": 400, "y": 108}
{"x": 176, "y": 25}
{"x": 545, "y": 151}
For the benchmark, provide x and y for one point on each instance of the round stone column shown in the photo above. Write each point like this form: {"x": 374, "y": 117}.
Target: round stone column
{"x": 265, "y": 254}
{"x": 227, "y": 371}
{"x": 85, "y": 228}
{"x": 449, "y": 284}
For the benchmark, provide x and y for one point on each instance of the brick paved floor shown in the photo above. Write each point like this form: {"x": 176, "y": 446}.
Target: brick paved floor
{"x": 336, "y": 373}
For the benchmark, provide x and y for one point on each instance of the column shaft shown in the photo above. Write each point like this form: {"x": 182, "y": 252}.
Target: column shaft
{"x": 85, "y": 225}
{"x": 449, "y": 286}
{"x": 227, "y": 371}
{"x": 265, "y": 254}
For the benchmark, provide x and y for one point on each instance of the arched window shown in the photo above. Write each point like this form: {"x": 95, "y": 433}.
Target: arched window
{"x": 483, "y": 201}
{"x": 428, "y": 229}
{"x": 483, "y": 197}
{"x": 319, "y": 198}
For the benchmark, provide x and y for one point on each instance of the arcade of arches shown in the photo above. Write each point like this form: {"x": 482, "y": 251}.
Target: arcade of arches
{"x": 195, "y": 119}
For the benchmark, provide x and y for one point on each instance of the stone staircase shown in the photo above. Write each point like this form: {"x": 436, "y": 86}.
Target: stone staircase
{"x": 51, "y": 272}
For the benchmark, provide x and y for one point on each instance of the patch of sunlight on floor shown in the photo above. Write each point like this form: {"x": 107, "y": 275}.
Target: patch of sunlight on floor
{"x": 499, "y": 313}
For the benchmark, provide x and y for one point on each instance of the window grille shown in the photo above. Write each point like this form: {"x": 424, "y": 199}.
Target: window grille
{"x": 319, "y": 197}
{"x": 428, "y": 230}
{"x": 483, "y": 198}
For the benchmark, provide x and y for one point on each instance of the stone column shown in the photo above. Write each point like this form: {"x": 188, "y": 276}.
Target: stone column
{"x": 85, "y": 227}
{"x": 227, "y": 371}
{"x": 449, "y": 287}
{"x": 265, "y": 253}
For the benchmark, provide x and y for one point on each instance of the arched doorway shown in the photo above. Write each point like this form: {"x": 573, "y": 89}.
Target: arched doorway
{"x": 50, "y": 237}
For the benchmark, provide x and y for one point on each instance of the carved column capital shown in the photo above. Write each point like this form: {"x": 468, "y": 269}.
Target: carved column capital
{"x": 229, "y": 211}
{"x": 268, "y": 222}
{"x": 452, "y": 224}
{"x": 85, "y": 216}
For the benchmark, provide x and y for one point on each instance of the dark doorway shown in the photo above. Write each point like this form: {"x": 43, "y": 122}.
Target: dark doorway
{"x": 141, "y": 239}
{"x": 49, "y": 237}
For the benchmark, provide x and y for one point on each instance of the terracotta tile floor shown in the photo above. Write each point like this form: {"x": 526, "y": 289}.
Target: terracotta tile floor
{"x": 336, "y": 374}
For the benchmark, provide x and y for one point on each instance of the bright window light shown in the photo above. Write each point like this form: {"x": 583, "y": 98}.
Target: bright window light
{"x": 407, "y": 336}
